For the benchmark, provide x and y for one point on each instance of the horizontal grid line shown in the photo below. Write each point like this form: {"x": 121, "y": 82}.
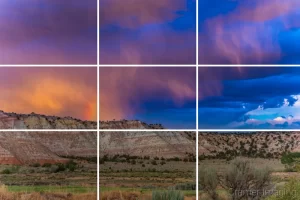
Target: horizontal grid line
{"x": 154, "y": 65}
{"x": 95, "y": 65}
{"x": 248, "y": 130}
{"x": 149, "y": 130}
{"x": 241, "y": 65}
{"x": 48, "y": 130}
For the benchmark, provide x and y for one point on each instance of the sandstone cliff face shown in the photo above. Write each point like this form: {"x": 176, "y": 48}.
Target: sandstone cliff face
{"x": 128, "y": 124}
{"x": 45, "y": 147}
{"x": 160, "y": 144}
{"x": 258, "y": 144}
{"x": 36, "y": 121}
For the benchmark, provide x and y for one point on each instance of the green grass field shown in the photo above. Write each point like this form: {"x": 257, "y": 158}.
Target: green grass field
{"x": 63, "y": 189}
{"x": 141, "y": 190}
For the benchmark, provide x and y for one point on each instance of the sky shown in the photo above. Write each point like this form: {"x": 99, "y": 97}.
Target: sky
{"x": 249, "y": 31}
{"x": 50, "y": 91}
{"x": 249, "y": 98}
{"x": 48, "y": 32}
{"x": 163, "y": 95}
{"x": 148, "y": 31}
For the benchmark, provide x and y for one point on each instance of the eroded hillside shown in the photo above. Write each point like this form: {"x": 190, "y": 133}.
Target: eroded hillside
{"x": 257, "y": 144}
{"x": 128, "y": 124}
{"x": 153, "y": 144}
{"x": 45, "y": 147}
{"x": 36, "y": 121}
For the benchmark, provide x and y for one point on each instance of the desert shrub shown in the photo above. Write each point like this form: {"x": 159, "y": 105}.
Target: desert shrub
{"x": 174, "y": 159}
{"x": 290, "y": 168}
{"x": 201, "y": 157}
{"x": 167, "y": 195}
{"x": 186, "y": 186}
{"x": 153, "y": 162}
{"x": 243, "y": 181}
{"x": 11, "y": 170}
{"x": 6, "y": 171}
{"x": 208, "y": 182}
{"x": 289, "y": 192}
{"x": 53, "y": 169}
{"x": 102, "y": 161}
{"x": 162, "y": 162}
{"x": 14, "y": 169}
{"x": 35, "y": 165}
{"x": 291, "y": 161}
{"x": 133, "y": 162}
{"x": 46, "y": 165}
{"x": 60, "y": 167}
{"x": 146, "y": 157}
{"x": 92, "y": 159}
{"x": 71, "y": 165}
{"x": 297, "y": 167}
{"x": 289, "y": 158}
{"x": 151, "y": 170}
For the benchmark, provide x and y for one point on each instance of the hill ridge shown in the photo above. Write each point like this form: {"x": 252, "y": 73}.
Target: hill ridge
{"x": 39, "y": 121}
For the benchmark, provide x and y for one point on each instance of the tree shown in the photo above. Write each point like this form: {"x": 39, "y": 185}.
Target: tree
{"x": 243, "y": 181}
{"x": 208, "y": 182}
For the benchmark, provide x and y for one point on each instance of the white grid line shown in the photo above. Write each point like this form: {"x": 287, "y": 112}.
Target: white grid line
{"x": 53, "y": 65}
{"x": 98, "y": 130}
{"x": 149, "y": 130}
{"x": 150, "y": 65}
{"x": 98, "y": 99}
{"x": 246, "y": 65}
{"x": 48, "y": 130}
{"x": 146, "y": 130}
{"x": 197, "y": 96}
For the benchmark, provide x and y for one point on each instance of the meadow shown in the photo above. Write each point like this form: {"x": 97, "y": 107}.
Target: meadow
{"x": 142, "y": 178}
{"x": 70, "y": 181}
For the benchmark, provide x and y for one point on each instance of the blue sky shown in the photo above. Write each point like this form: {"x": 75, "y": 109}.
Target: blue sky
{"x": 259, "y": 98}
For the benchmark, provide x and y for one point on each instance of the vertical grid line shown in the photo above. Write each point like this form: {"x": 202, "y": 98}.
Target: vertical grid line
{"x": 98, "y": 99}
{"x": 197, "y": 128}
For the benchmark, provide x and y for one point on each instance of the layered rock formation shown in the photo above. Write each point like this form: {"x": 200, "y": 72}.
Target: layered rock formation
{"x": 45, "y": 147}
{"x": 36, "y": 121}
{"x": 128, "y": 124}
{"x": 257, "y": 144}
{"x": 160, "y": 144}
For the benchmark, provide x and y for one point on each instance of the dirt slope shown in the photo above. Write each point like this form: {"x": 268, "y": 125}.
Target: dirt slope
{"x": 257, "y": 144}
{"x": 160, "y": 144}
{"x": 45, "y": 147}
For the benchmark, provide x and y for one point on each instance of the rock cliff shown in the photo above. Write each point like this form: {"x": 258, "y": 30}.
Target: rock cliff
{"x": 45, "y": 147}
{"x": 36, "y": 121}
{"x": 153, "y": 144}
{"x": 128, "y": 124}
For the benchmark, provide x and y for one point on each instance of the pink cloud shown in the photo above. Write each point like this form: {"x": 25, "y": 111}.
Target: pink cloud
{"x": 246, "y": 33}
{"x": 134, "y": 13}
{"x": 123, "y": 89}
